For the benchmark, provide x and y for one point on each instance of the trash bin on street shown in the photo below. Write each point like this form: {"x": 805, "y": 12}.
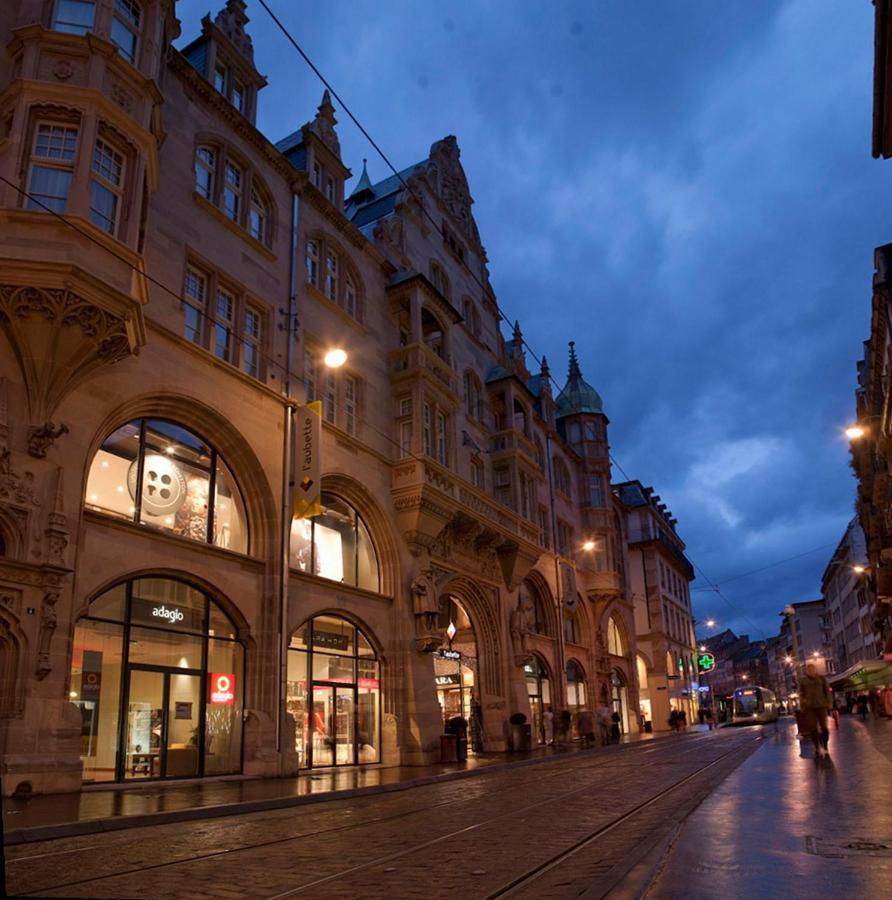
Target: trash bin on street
{"x": 458, "y": 726}
{"x": 648, "y": 727}
{"x": 448, "y": 749}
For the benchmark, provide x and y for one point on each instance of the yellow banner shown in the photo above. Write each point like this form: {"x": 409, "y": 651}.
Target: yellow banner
{"x": 308, "y": 483}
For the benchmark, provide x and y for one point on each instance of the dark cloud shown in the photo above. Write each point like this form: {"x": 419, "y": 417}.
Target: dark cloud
{"x": 692, "y": 181}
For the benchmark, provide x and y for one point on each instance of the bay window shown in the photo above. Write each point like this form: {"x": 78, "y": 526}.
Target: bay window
{"x": 125, "y": 28}
{"x": 106, "y": 186}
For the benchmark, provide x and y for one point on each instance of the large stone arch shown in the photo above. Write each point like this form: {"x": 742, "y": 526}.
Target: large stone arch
{"x": 482, "y": 611}
{"x": 359, "y": 496}
{"x": 261, "y": 505}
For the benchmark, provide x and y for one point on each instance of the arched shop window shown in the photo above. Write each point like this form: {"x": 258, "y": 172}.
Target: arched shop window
{"x": 614, "y": 638}
{"x": 336, "y": 544}
{"x": 156, "y": 473}
{"x": 334, "y": 694}
{"x": 575, "y": 691}
{"x": 539, "y": 693}
{"x": 158, "y": 674}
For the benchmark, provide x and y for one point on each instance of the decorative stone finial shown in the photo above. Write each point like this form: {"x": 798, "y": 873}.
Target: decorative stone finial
{"x": 363, "y": 190}
{"x": 544, "y": 371}
{"x": 323, "y": 126}
{"x": 574, "y": 362}
{"x": 231, "y": 20}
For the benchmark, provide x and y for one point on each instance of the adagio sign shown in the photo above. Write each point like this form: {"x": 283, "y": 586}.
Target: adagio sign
{"x": 222, "y": 687}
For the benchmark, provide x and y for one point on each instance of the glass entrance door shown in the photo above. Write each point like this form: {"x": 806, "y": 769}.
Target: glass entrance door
{"x": 334, "y": 725}
{"x": 163, "y": 724}
{"x": 145, "y": 724}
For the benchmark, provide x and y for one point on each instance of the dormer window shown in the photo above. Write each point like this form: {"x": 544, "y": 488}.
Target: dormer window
{"x": 227, "y": 84}
{"x": 220, "y": 79}
{"x": 330, "y": 189}
{"x": 125, "y": 28}
{"x": 317, "y": 176}
{"x": 74, "y": 16}
{"x": 237, "y": 97}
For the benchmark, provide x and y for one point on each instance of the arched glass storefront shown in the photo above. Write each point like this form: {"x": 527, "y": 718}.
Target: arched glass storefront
{"x": 455, "y": 670}
{"x": 575, "y": 692}
{"x": 539, "y": 692}
{"x": 334, "y": 694}
{"x": 158, "y": 674}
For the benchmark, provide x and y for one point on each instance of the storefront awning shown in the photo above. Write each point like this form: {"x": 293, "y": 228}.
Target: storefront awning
{"x": 867, "y": 673}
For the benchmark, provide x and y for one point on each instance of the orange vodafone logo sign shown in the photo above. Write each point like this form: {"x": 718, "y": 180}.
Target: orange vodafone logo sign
{"x": 222, "y": 686}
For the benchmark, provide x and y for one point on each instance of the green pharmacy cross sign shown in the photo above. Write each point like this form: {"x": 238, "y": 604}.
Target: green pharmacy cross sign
{"x": 705, "y": 662}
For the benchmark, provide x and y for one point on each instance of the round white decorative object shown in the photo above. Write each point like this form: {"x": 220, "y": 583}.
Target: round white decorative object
{"x": 163, "y": 485}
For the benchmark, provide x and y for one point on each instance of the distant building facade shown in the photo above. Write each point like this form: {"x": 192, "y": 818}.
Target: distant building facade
{"x": 162, "y": 614}
{"x": 659, "y": 576}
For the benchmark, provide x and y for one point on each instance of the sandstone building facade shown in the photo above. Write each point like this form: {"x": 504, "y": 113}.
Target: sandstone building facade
{"x": 170, "y": 283}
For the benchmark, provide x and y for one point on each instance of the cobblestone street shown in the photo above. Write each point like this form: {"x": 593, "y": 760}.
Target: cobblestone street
{"x": 553, "y": 829}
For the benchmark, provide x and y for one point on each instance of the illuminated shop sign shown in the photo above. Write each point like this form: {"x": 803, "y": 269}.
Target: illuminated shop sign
{"x": 370, "y": 684}
{"x": 222, "y": 687}
{"x": 330, "y": 640}
{"x": 166, "y": 615}
{"x": 706, "y": 662}
{"x": 450, "y": 654}
{"x": 444, "y": 680}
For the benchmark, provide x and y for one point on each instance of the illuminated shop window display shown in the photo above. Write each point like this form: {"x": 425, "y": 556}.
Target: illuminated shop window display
{"x": 336, "y": 545}
{"x": 334, "y": 694}
{"x": 156, "y": 473}
{"x": 158, "y": 675}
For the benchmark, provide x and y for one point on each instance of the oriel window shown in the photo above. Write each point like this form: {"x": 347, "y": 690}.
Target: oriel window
{"x": 52, "y": 166}
{"x": 125, "y": 28}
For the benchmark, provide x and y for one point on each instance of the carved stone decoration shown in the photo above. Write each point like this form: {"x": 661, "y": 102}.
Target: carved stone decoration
{"x": 428, "y": 637}
{"x": 517, "y": 625}
{"x": 18, "y": 501}
{"x": 389, "y": 231}
{"x": 122, "y": 97}
{"x": 61, "y": 338}
{"x": 11, "y": 599}
{"x": 42, "y": 437}
{"x": 452, "y": 184}
{"x": 231, "y": 20}
{"x": 48, "y": 622}
{"x": 56, "y": 532}
{"x": 63, "y": 70}
{"x": 4, "y": 414}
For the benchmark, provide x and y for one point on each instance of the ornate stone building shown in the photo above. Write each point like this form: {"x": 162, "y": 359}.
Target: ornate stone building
{"x": 170, "y": 283}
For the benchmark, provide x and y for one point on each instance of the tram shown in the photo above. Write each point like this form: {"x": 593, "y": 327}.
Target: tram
{"x": 754, "y": 704}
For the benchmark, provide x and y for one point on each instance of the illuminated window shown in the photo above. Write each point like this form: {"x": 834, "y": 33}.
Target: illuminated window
{"x": 335, "y": 545}
{"x": 159, "y": 474}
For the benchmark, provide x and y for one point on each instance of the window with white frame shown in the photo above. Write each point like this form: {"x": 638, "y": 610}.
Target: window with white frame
{"x": 595, "y": 491}
{"x": 442, "y": 439}
{"x": 351, "y": 391}
{"x": 51, "y": 167}
{"x": 329, "y": 271}
{"x": 427, "y": 429}
{"x": 257, "y": 217}
{"x": 125, "y": 26}
{"x": 310, "y": 374}
{"x": 339, "y": 392}
{"x": 404, "y": 426}
{"x": 439, "y": 279}
{"x": 501, "y": 477}
{"x": 473, "y": 396}
{"x": 220, "y": 318}
{"x": 106, "y": 186}
{"x": 227, "y": 83}
{"x": 232, "y": 190}
{"x": 205, "y": 167}
{"x": 330, "y": 397}
{"x": 74, "y": 16}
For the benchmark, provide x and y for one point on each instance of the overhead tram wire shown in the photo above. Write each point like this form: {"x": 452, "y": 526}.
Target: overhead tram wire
{"x": 291, "y": 40}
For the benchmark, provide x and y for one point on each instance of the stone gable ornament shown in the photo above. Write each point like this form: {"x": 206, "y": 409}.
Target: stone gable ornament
{"x": 323, "y": 126}
{"x": 231, "y": 20}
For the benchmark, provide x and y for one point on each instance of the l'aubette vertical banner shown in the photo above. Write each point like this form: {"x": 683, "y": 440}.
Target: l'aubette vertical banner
{"x": 308, "y": 488}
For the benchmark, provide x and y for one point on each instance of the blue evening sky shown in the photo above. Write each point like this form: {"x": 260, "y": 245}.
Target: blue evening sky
{"x": 690, "y": 184}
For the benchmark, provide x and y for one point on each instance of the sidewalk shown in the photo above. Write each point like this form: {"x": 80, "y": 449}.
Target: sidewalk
{"x": 786, "y": 825}
{"x": 119, "y": 806}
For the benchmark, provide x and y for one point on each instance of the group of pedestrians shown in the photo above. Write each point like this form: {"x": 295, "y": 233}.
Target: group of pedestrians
{"x": 602, "y": 726}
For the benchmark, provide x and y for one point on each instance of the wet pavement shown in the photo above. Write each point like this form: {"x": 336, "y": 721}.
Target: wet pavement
{"x": 787, "y": 825}
{"x": 106, "y": 808}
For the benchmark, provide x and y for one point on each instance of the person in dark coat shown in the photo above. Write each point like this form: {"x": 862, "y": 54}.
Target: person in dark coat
{"x": 815, "y": 703}
{"x": 614, "y": 728}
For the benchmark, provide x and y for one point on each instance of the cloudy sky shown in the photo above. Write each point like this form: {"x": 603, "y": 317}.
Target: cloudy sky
{"x": 692, "y": 182}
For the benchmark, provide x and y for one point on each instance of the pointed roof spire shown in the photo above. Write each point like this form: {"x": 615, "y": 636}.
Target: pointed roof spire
{"x": 518, "y": 336}
{"x": 363, "y": 190}
{"x": 544, "y": 371}
{"x": 577, "y": 396}
{"x": 323, "y": 126}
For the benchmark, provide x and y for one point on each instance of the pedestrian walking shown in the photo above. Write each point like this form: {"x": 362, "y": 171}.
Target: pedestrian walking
{"x": 673, "y": 720}
{"x": 564, "y": 723}
{"x": 586, "y": 723}
{"x": 548, "y": 725}
{"x": 614, "y": 727}
{"x": 710, "y": 718}
{"x": 815, "y": 703}
{"x": 604, "y": 724}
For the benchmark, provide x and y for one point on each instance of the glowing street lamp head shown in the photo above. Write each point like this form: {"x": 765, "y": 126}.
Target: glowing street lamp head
{"x": 703, "y": 648}
{"x": 816, "y": 654}
{"x": 710, "y": 623}
{"x": 588, "y": 546}
{"x": 451, "y": 631}
{"x": 854, "y": 432}
{"x": 788, "y": 659}
{"x": 335, "y": 358}
{"x": 858, "y": 569}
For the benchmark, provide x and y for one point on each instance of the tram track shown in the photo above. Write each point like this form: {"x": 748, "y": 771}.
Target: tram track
{"x": 576, "y": 767}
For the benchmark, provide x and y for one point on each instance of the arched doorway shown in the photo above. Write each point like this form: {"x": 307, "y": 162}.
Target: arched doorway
{"x": 158, "y": 673}
{"x": 539, "y": 693}
{"x": 619, "y": 697}
{"x": 334, "y": 694}
{"x": 456, "y": 670}
{"x": 575, "y": 692}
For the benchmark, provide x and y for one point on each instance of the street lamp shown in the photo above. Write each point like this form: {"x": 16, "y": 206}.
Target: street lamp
{"x": 335, "y": 358}
{"x": 745, "y": 677}
{"x": 588, "y": 546}
{"x": 859, "y": 569}
{"x": 710, "y": 623}
{"x": 788, "y": 659}
{"x": 703, "y": 648}
{"x": 855, "y": 432}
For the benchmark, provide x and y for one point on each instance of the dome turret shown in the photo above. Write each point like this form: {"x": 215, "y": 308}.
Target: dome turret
{"x": 578, "y": 396}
